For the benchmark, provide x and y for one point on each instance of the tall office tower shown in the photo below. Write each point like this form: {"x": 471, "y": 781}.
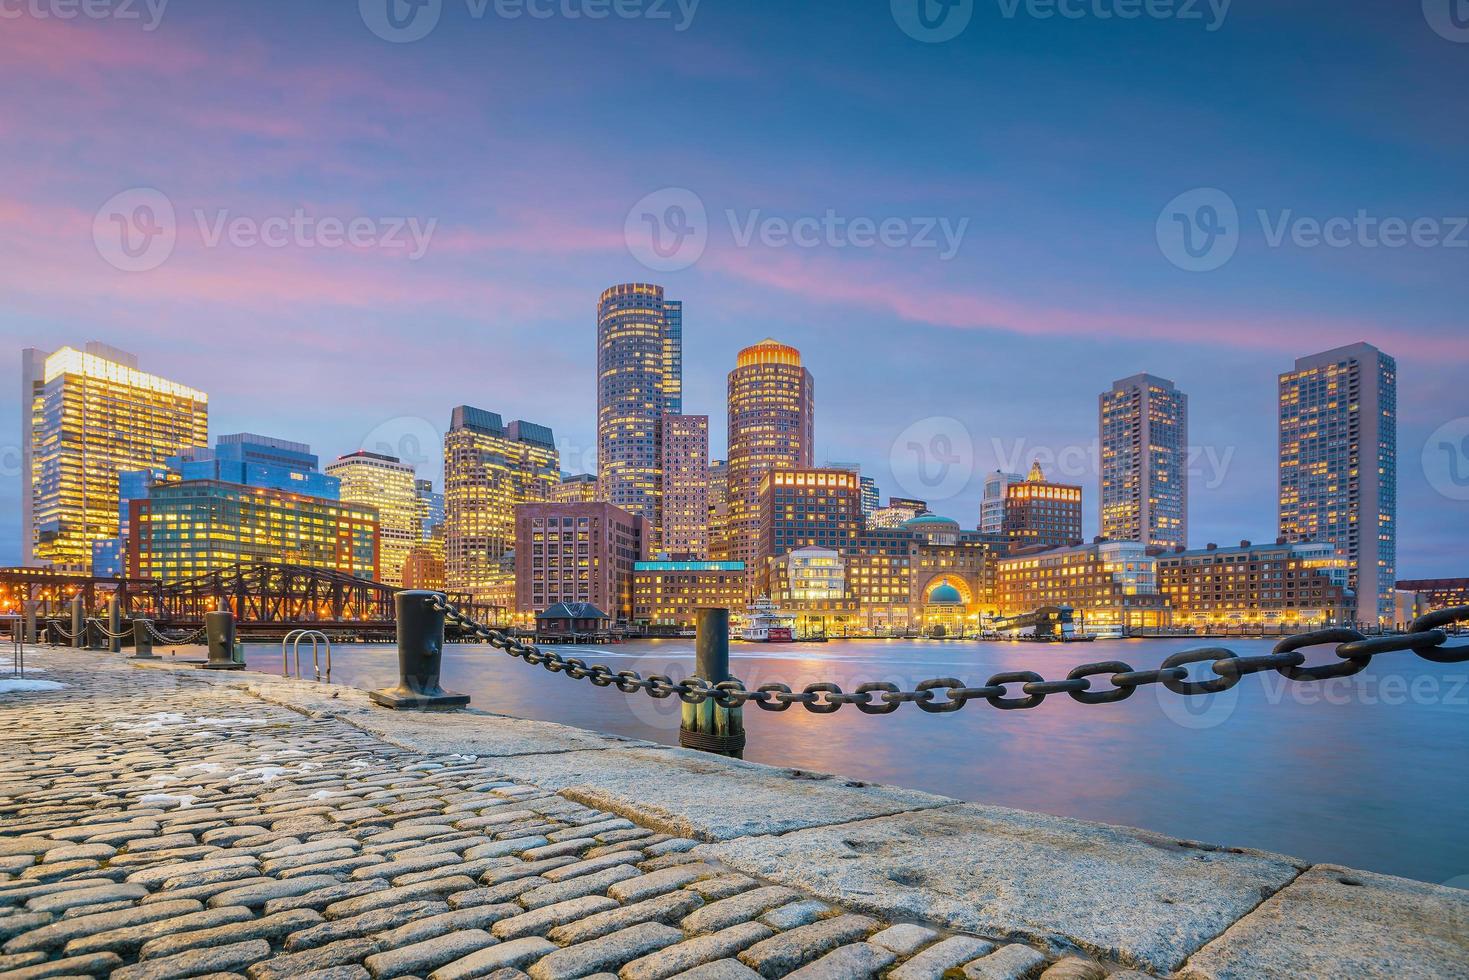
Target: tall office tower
{"x": 683, "y": 497}
{"x": 387, "y": 484}
{"x": 871, "y": 499}
{"x": 1039, "y": 513}
{"x": 489, "y": 467}
{"x": 580, "y": 488}
{"x": 992, "y": 505}
{"x": 88, "y": 416}
{"x": 1144, "y": 445}
{"x": 718, "y": 510}
{"x": 771, "y": 426}
{"x": 430, "y": 508}
{"x": 639, "y": 380}
{"x": 1338, "y": 465}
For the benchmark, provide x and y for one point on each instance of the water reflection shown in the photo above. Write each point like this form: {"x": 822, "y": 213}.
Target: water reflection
{"x": 1369, "y": 772}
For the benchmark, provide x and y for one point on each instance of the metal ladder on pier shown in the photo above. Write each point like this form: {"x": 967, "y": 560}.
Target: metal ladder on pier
{"x": 317, "y": 638}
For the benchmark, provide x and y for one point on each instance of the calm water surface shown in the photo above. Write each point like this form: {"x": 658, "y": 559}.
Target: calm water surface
{"x": 1370, "y": 771}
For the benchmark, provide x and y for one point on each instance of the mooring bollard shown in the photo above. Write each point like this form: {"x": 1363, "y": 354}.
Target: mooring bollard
{"x": 78, "y": 625}
{"x": 420, "y": 656}
{"x": 219, "y": 627}
{"x": 114, "y": 625}
{"x": 142, "y": 641}
{"x": 712, "y": 727}
{"x": 31, "y": 635}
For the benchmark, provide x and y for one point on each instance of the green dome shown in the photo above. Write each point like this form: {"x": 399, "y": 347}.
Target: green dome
{"x": 928, "y": 520}
{"x": 945, "y": 595}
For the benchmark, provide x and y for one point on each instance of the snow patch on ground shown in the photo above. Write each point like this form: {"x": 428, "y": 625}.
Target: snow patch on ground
{"x": 24, "y": 685}
{"x": 184, "y": 801}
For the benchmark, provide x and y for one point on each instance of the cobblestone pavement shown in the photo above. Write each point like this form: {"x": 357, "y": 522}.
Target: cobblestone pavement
{"x": 155, "y": 826}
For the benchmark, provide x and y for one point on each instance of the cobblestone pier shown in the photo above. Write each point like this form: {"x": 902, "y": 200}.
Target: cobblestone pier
{"x": 160, "y": 822}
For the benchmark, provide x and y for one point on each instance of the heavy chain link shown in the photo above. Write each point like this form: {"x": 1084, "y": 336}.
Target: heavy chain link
{"x": 941, "y": 695}
{"x": 178, "y": 641}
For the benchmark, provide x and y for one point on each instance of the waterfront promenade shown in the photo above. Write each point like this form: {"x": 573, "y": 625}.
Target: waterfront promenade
{"x": 159, "y": 821}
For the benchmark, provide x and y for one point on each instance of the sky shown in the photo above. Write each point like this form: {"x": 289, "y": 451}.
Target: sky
{"x": 970, "y": 219}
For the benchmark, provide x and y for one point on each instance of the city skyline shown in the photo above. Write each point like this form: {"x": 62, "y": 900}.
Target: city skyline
{"x": 1059, "y": 266}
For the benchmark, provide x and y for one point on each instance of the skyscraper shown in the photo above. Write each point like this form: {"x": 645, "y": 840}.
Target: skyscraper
{"x": 992, "y": 505}
{"x": 1039, "y": 513}
{"x": 1144, "y": 478}
{"x": 639, "y": 379}
{"x": 683, "y": 499}
{"x": 771, "y": 426}
{"x": 489, "y": 467}
{"x": 1338, "y": 465}
{"x": 89, "y": 415}
{"x": 386, "y": 484}
{"x": 718, "y": 510}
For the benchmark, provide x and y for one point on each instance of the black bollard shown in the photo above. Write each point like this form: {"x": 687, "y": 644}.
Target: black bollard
{"x": 142, "y": 641}
{"x": 219, "y": 627}
{"x": 711, "y": 727}
{"x": 31, "y": 635}
{"x": 114, "y": 625}
{"x": 420, "y": 656}
{"x": 78, "y": 625}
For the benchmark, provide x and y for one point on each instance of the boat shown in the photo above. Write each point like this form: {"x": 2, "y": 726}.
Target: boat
{"x": 765, "y": 623}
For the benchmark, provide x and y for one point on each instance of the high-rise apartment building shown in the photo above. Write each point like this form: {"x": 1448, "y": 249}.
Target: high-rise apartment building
{"x": 718, "y": 510}
{"x": 806, "y": 508}
{"x": 639, "y": 380}
{"x": 683, "y": 497}
{"x": 1041, "y": 514}
{"x": 489, "y": 468}
{"x": 771, "y": 427}
{"x": 1144, "y": 462}
{"x": 388, "y": 485}
{"x": 88, "y": 416}
{"x": 578, "y": 489}
{"x": 992, "y": 504}
{"x": 1338, "y": 465}
{"x": 577, "y": 553}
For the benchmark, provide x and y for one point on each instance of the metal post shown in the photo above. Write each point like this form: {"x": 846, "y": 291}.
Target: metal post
{"x": 78, "y": 624}
{"x": 114, "y": 625}
{"x": 420, "y": 655}
{"x": 219, "y": 627}
{"x": 142, "y": 640}
{"x": 712, "y": 727}
{"x": 31, "y": 635}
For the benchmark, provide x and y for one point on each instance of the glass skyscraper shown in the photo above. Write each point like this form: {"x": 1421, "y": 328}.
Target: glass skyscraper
{"x": 1338, "y": 465}
{"x": 386, "y": 484}
{"x": 1144, "y": 447}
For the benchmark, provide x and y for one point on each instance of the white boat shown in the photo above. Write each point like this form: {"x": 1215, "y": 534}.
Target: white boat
{"x": 765, "y": 623}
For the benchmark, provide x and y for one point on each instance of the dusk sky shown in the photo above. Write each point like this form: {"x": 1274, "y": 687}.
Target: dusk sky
{"x": 1050, "y": 150}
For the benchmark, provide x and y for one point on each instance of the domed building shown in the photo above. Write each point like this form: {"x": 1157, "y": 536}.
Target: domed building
{"x": 933, "y": 529}
{"x": 944, "y": 611}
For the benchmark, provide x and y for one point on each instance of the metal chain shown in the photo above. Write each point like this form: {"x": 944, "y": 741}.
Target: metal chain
{"x": 941, "y": 695}
{"x": 102, "y": 628}
{"x": 183, "y": 640}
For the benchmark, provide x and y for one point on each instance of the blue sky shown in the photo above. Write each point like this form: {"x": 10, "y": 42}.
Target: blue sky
{"x": 524, "y": 143}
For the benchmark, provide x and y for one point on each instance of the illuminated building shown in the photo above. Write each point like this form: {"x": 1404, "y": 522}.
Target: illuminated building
{"x": 639, "y": 380}
{"x": 668, "y": 594}
{"x": 577, "y": 553}
{"x": 578, "y": 489}
{"x": 1338, "y": 465}
{"x": 424, "y": 566}
{"x": 1107, "y": 583}
{"x": 811, "y": 583}
{"x": 992, "y": 505}
{"x": 1039, "y": 514}
{"x": 1436, "y": 593}
{"x": 771, "y": 427}
{"x": 187, "y": 528}
{"x": 806, "y": 508}
{"x": 1144, "y": 462}
{"x": 899, "y": 511}
{"x": 683, "y": 498}
{"x": 718, "y": 510}
{"x": 489, "y": 468}
{"x": 430, "y": 508}
{"x": 1276, "y": 585}
{"x": 90, "y": 415}
{"x": 871, "y": 500}
{"x": 386, "y": 484}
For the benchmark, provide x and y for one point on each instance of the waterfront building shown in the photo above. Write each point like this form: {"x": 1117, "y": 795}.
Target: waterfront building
{"x": 899, "y": 511}
{"x": 88, "y": 416}
{"x": 489, "y": 468}
{"x": 1338, "y": 466}
{"x": 1143, "y": 422}
{"x": 430, "y": 508}
{"x": 386, "y": 484}
{"x": 992, "y": 504}
{"x": 718, "y": 490}
{"x": 1107, "y": 583}
{"x": 668, "y": 594}
{"x": 1276, "y": 585}
{"x": 771, "y": 427}
{"x": 1435, "y": 593}
{"x": 893, "y": 573}
{"x": 810, "y": 583}
{"x": 187, "y": 528}
{"x": 577, "y": 553}
{"x": 683, "y": 497}
{"x": 1042, "y": 514}
{"x": 639, "y": 380}
{"x": 580, "y": 488}
{"x": 803, "y": 508}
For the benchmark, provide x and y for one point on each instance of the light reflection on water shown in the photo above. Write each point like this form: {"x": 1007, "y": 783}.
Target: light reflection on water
{"x": 1369, "y": 771}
